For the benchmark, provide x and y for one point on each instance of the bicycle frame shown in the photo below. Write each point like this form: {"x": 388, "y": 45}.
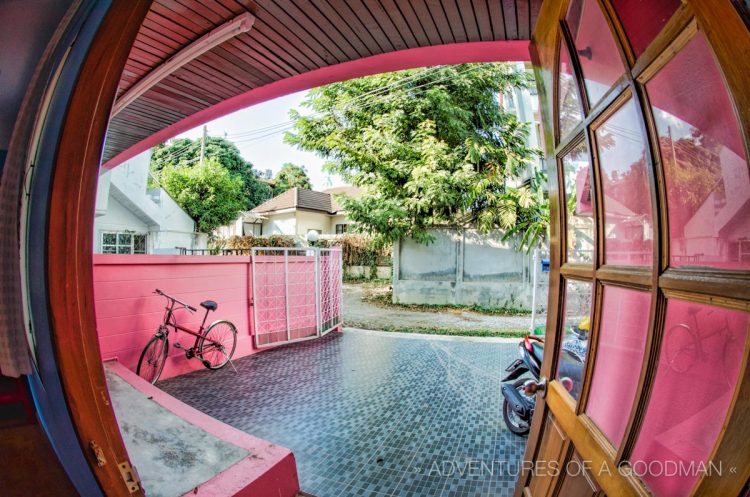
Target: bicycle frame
{"x": 171, "y": 320}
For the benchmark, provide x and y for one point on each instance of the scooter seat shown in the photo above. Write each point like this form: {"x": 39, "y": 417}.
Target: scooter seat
{"x": 537, "y": 350}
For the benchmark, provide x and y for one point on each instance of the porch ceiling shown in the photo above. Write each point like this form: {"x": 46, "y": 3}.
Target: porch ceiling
{"x": 288, "y": 39}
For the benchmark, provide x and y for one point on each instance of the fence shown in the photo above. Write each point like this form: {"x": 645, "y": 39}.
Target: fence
{"x": 296, "y": 293}
{"x": 128, "y": 312}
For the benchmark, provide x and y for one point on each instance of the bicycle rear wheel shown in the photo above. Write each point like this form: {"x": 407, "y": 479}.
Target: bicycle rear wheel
{"x": 217, "y": 344}
{"x": 153, "y": 358}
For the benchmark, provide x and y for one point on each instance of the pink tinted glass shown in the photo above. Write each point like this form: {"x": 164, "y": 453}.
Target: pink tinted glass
{"x": 699, "y": 363}
{"x": 569, "y": 103}
{"x": 619, "y": 354}
{"x": 597, "y": 53}
{"x": 640, "y": 27}
{"x": 579, "y": 197}
{"x": 627, "y": 201}
{"x": 708, "y": 187}
{"x": 573, "y": 351}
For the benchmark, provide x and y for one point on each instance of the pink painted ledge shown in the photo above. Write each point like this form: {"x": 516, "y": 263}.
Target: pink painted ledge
{"x": 272, "y": 472}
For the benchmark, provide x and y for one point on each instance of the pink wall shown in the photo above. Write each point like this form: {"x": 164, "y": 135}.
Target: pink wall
{"x": 128, "y": 313}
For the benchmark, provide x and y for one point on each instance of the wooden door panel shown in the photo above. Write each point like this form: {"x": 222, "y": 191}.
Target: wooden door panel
{"x": 660, "y": 271}
{"x": 577, "y": 480}
{"x": 553, "y": 445}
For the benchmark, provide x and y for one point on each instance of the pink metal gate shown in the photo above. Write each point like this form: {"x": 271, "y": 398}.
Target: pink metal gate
{"x": 296, "y": 293}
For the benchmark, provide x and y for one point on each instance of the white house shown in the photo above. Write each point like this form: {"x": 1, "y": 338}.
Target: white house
{"x": 133, "y": 219}
{"x": 296, "y": 212}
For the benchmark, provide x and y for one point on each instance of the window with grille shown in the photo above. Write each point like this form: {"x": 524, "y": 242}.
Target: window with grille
{"x": 123, "y": 242}
{"x": 341, "y": 229}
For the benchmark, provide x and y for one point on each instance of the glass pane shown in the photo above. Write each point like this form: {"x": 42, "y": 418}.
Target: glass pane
{"x": 569, "y": 102}
{"x": 619, "y": 354}
{"x": 123, "y": 249}
{"x": 123, "y": 239}
{"x": 579, "y": 200}
{"x": 627, "y": 202}
{"x": 708, "y": 187}
{"x": 109, "y": 239}
{"x": 575, "y": 335}
{"x": 139, "y": 244}
{"x": 597, "y": 53}
{"x": 643, "y": 19}
{"x": 700, "y": 359}
{"x": 109, "y": 249}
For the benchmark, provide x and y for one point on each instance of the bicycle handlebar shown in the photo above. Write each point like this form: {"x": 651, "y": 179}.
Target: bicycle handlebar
{"x": 187, "y": 306}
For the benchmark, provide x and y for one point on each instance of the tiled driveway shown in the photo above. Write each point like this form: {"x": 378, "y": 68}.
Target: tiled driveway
{"x": 374, "y": 414}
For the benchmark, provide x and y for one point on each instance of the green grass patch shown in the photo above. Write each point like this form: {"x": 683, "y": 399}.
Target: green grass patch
{"x": 441, "y": 331}
{"x": 385, "y": 299}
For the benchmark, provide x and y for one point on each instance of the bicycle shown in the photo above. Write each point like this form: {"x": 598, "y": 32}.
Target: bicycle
{"x": 211, "y": 344}
{"x": 684, "y": 345}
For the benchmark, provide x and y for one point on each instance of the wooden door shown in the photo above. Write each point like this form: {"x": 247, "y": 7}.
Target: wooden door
{"x": 646, "y": 110}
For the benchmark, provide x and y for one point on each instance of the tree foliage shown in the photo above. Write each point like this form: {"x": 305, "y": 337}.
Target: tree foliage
{"x": 291, "y": 176}
{"x": 186, "y": 151}
{"x": 208, "y": 193}
{"x": 428, "y": 147}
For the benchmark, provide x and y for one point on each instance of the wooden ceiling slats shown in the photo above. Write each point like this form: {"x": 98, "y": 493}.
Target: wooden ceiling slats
{"x": 190, "y": 22}
{"x": 437, "y": 10}
{"x": 279, "y": 36}
{"x": 288, "y": 38}
{"x": 468, "y": 13}
{"x": 191, "y": 76}
{"x": 456, "y": 22}
{"x": 415, "y": 23}
{"x": 523, "y": 10}
{"x": 482, "y": 16}
{"x": 408, "y": 31}
{"x": 328, "y": 39}
{"x": 497, "y": 18}
{"x": 244, "y": 75}
{"x": 292, "y": 28}
{"x": 348, "y": 42}
{"x": 430, "y": 28}
{"x": 511, "y": 21}
{"x": 242, "y": 62}
{"x": 385, "y": 24}
{"x": 318, "y": 22}
{"x": 272, "y": 68}
{"x": 375, "y": 44}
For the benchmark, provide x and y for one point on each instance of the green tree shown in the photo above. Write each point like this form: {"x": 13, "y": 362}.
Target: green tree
{"x": 208, "y": 193}
{"x": 429, "y": 147}
{"x": 291, "y": 176}
{"x": 187, "y": 151}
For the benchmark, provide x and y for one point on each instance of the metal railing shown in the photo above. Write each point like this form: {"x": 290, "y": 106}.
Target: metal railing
{"x": 297, "y": 293}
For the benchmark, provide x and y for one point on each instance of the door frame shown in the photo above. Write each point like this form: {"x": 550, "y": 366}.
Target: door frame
{"x": 728, "y": 36}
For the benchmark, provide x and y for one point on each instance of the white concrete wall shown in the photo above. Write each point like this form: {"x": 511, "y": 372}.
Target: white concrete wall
{"x": 125, "y": 203}
{"x": 463, "y": 267}
{"x": 307, "y": 221}
{"x": 280, "y": 224}
{"x": 117, "y": 218}
{"x": 338, "y": 219}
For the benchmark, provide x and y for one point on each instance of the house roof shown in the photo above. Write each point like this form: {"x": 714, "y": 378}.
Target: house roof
{"x": 302, "y": 198}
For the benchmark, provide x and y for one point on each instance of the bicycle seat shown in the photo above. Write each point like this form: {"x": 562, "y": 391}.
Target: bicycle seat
{"x": 210, "y": 305}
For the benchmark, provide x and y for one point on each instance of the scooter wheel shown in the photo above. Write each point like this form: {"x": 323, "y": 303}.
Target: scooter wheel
{"x": 513, "y": 421}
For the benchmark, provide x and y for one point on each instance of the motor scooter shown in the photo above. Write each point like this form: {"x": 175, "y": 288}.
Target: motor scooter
{"x": 519, "y": 397}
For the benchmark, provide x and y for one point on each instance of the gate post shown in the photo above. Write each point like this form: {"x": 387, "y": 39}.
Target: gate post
{"x": 318, "y": 296}
{"x": 286, "y": 293}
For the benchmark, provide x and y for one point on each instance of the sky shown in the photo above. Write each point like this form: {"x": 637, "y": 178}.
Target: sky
{"x": 265, "y": 148}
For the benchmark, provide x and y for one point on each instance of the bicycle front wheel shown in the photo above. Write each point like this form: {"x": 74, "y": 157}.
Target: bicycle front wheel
{"x": 153, "y": 358}
{"x": 217, "y": 345}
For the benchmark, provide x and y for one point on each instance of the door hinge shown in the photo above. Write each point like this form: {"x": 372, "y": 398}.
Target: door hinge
{"x": 130, "y": 476}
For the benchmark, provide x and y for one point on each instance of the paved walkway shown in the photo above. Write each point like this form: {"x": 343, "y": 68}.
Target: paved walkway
{"x": 374, "y": 414}
{"x": 365, "y": 314}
